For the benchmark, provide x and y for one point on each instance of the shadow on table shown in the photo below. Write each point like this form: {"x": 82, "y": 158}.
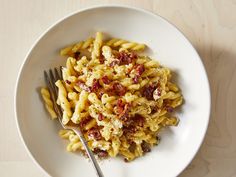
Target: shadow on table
{"x": 218, "y": 149}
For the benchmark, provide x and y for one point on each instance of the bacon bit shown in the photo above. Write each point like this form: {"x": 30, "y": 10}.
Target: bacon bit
{"x": 135, "y": 79}
{"x": 95, "y": 133}
{"x": 83, "y": 86}
{"x": 129, "y": 129}
{"x": 101, "y": 59}
{"x": 68, "y": 82}
{"x": 84, "y": 122}
{"x": 123, "y": 110}
{"x": 95, "y": 85}
{"x": 125, "y": 113}
{"x": 100, "y": 153}
{"x": 139, "y": 69}
{"x": 125, "y": 57}
{"x": 114, "y": 62}
{"x": 139, "y": 120}
{"x": 120, "y": 102}
{"x": 76, "y": 55}
{"x": 133, "y": 55}
{"x": 120, "y": 106}
{"x": 132, "y": 146}
{"x": 145, "y": 147}
{"x": 154, "y": 109}
{"x": 100, "y": 117}
{"x": 119, "y": 89}
{"x": 129, "y": 141}
{"x": 169, "y": 109}
{"x": 105, "y": 80}
{"x": 124, "y": 117}
{"x": 148, "y": 92}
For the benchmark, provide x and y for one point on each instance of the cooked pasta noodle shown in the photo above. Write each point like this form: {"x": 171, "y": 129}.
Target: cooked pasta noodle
{"x": 48, "y": 102}
{"x": 71, "y": 50}
{"x": 64, "y": 103}
{"x": 125, "y": 44}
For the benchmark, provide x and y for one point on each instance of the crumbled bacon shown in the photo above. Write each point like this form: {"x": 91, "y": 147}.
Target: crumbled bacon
{"x": 131, "y": 129}
{"x": 125, "y": 57}
{"x": 145, "y": 147}
{"x": 84, "y": 122}
{"x": 120, "y": 102}
{"x": 114, "y": 62}
{"x": 95, "y": 133}
{"x": 139, "y": 69}
{"x": 132, "y": 146}
{"x": 100, "y": 117}
{"x": 125, "y": 113}
{"x": 100, "y": 153}
{"x": 133, "y": 55}
{"x": 169, "y": 109}
{"x": 123, "y": 110}
{"x": 76, "y": 55}
{"x": 120, "y": 106}
{"x": 139, "y": 120}
{"x": 105, "y": 80}
{"x": 101, "y": 59}
{"x": 68, "y": 82}
{"x": 119, "y": 89}
{"x": 155, "y": 109}
{"x": 148, "y": 92}
{"x": 135, "y": 79}
{"x": 95, "y": 85}
{"x": 83, "y": 86}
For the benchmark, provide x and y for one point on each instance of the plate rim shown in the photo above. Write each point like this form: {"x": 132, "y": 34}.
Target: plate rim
{"x": 54, "y": 24}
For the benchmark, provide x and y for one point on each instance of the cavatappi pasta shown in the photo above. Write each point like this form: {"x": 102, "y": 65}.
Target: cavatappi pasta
{"x": 119, "y": 98}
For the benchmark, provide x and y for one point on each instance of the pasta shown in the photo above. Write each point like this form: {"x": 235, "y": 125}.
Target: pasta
{"x": 125, "y": 44}
{"x": 71, "y": 50}
{"x": 48, "y": 102}
{"x": 63, "y": 102}
{"x": 119, "y": 98}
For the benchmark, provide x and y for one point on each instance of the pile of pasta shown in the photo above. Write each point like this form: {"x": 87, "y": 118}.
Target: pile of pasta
{"x": 119, "y": 98}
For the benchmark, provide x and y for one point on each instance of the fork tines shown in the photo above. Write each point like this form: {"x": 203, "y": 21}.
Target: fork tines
{"x": 50, "y": 79}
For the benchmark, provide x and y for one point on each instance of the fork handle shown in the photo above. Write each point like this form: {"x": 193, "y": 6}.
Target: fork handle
{"x": 89, "y": 152}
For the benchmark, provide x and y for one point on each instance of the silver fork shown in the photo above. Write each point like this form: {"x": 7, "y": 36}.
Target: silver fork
{"x": 50, "y": 80}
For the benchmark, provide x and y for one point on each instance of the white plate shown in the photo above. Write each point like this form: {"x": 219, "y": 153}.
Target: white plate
{"x": 178, "y": 145}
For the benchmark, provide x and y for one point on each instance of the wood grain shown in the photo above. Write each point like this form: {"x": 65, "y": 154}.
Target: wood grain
{"x": 209, "y": 24}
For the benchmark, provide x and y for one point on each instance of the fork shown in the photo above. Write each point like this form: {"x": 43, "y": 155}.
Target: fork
{"x": 50, "y": 79}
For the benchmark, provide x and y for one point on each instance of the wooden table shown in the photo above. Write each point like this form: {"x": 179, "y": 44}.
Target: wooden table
{"x": 209, "y": 24}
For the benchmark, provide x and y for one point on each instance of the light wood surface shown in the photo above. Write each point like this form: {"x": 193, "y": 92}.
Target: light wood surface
{"x": 209, "y": 24}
